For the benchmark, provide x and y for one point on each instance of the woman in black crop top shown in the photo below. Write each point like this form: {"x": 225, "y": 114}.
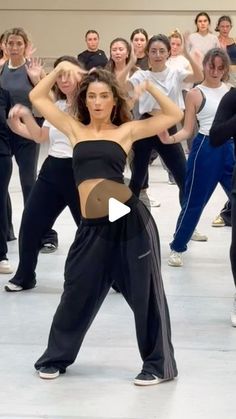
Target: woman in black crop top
{"x": 126, "y": 250}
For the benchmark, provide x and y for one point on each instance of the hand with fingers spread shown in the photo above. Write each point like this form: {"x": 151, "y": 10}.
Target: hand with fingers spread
{"x": 34, "y": 68}
{"x": 30, "y": 50}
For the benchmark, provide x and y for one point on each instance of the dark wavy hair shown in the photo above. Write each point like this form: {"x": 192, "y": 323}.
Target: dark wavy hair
{"x": 211, "y": 56}
{"x": 58, "y": 93}
{"x": 137, "y": 31}
{"x": 120, "y": 112}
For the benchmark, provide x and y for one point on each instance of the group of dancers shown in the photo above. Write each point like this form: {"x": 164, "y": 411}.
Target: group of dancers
{"x": 94, "y": 113}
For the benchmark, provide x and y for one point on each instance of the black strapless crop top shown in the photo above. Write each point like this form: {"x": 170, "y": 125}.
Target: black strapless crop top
{"x": 98, "y": 159}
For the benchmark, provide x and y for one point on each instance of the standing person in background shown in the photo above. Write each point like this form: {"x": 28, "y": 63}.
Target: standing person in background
{"x": 202, "y": 40}
{"x": 18, "y": 76}
{"x": 5, "y": 175}
{"x": 224, "y": 26}
{"x": 170, "y": 81}
{"x": 206, "y": 166}
{"x": 3, "y": 52}
{"x": 92, "y": 56}
{"x": 105, "y": 251}
{"x": 55, "y": 187}
{"x": 223, "y": 127}
{"x": 139, "y": 40}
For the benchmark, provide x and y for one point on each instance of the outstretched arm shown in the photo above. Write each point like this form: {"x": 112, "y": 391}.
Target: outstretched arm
{"x": 169, "y": 115}
{"x": 196, "y": 75}
{"x": 224, "y": 124}
{"x": 22, "y": 122}
{"x": 39, "y": 96}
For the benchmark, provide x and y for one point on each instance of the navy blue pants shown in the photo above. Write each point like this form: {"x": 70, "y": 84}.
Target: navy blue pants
{"x": 207, "y": 166}
{"x": 127, "y": 252}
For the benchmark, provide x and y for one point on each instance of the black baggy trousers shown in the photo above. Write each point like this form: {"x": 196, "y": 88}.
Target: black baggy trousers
{"x": 126, "y": 251}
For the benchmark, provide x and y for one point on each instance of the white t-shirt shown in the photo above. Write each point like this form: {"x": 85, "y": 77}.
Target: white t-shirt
{"x": 60, "y": 145}
{"x": 169, "y": 81}
{"x": 202, "y": 43}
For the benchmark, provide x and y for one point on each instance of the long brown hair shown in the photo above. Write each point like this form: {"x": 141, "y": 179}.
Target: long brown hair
{"x": 120, "y": 112}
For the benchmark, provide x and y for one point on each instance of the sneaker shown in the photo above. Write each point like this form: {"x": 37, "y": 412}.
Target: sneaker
{"x": 147, "y": 379}
{"x": 148, "y": 200}
{"x": 233, "y": 313}
{"x": 48, "y": 248}
{"x": 218, "y": 222}
{"x": 175, "y": 259}
{"x": 48, "y": 373}
{"x": 10, "y": 287}
{"x": 5, "y": 267}
{"x": 198, "y": 237}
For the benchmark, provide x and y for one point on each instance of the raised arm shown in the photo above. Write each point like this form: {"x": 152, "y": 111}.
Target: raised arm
{"x": 22, "y": 122}
{"x": 196, "y": 75}
{"x": 40, "y": 98}
{"x": 224, "y": 124}
{"x": 169, "y": 115}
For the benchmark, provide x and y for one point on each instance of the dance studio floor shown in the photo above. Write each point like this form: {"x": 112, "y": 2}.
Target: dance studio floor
{"x": 99, "y": 385}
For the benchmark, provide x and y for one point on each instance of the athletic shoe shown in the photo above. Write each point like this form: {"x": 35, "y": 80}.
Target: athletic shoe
{"x": 198, "y": 237}
{"x": 233, "y": 313}
{"x": 218, "y": 222}
{"x": 5, "y": 267}
{"x": 48, "y": 248}
{"x": 175, "y": 259}
{"x": 48, "y": 373}
{"x": 147, "y": 379}
{"x": 10, "y": 287}
{"x": 148, "y": 200}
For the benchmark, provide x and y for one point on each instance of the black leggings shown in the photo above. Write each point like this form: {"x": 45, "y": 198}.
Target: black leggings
{"x": 53, "y": 191}
{"x": 5, "y": 176}
{"x": 172, "y": 155}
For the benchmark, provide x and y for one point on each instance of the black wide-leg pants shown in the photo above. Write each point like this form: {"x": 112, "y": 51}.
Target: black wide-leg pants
{"x": 128, "y": 252}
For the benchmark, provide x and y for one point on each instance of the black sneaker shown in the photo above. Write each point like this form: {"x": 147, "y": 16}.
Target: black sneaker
{"x": 48, "y": 373}
{"x": 48, "y": 248}
{"x": 147, "y": 379}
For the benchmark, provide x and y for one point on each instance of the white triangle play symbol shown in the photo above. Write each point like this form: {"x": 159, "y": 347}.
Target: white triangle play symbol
{"x": 116, "y": 209}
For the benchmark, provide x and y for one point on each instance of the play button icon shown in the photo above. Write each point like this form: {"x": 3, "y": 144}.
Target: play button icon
{"x": 116, "y": 209}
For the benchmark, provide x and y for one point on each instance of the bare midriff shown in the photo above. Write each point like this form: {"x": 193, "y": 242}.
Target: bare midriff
{"x": 95, "y": 194}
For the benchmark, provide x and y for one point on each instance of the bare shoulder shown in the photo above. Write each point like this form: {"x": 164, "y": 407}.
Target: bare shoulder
{"x": 194, "y": 97}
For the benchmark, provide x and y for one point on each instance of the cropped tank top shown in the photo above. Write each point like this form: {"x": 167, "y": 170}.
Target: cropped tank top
{"x": 212, "y": 98}
{"x": 98, "y": 159}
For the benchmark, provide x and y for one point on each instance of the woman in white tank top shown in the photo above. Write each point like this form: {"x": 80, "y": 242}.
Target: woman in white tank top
{"x": 207, "y": 166}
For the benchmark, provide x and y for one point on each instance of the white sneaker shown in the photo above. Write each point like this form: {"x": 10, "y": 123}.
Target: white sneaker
{"x": 10, "y": 287}
{"x": 233, "y": 313}
{"x": 199, "y": 237}
{"x": 5, "y": 267}
{"x": 175, "y": 259}
{"x": 148, "y": 200}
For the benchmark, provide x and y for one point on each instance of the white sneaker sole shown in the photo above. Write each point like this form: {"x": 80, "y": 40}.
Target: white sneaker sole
{"x": 46, "y": 376}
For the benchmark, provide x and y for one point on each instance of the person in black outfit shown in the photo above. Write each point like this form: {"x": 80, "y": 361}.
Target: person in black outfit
{"x": 92, "y": 56}
{"x": 223, "y": 128}
{"x": 126, "y": 250}
{"x": 5, "y": 175}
